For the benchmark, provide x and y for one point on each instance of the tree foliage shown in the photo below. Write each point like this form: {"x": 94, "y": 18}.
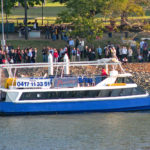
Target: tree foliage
{"x": 131, "y": 7}
{"x": 124, "y": 9}
{"x": 9, "y": 4}
{"x": 29, "y": 2}
{"x": 61, "y": 1}
{"x": 81, "y": 14}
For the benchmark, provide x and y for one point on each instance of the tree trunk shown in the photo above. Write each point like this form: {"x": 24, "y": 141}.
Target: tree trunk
{"x": 124, "y": 18}
{"x": 26, "y": 21}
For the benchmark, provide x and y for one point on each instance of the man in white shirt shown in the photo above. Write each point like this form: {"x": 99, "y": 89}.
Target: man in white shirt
{"x": 35, "y": 25}
{"x": 124, "y": 52}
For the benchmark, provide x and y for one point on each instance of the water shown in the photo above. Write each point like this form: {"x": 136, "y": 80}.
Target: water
{"x": 91, "y": 131}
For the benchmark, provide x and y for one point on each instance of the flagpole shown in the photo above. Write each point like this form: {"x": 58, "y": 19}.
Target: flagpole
{"x": 3, "y": 40}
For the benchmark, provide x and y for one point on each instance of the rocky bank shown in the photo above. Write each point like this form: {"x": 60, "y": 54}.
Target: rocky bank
{"x": 140, "y": 72}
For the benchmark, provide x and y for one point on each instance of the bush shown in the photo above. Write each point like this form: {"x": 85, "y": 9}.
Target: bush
{"x": 146, "y": 27}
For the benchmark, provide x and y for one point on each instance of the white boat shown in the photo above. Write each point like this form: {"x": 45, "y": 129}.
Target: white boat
{"x": 33, "y": 89}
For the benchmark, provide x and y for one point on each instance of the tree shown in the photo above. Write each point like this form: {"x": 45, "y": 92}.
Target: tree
{"x": 9, "y": 4}
{"x": 122, "y": 8}
{"x": 125, "y": 8}
{"x": 29, "y": 2}
{"x": 81, "y": 14}
{"x": 61, "y": 1}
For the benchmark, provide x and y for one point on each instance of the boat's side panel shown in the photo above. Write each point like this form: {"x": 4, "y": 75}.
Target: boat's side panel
{"x": 62, "y": 107}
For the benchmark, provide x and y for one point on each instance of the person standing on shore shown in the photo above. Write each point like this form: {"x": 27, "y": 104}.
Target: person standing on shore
{"x": 86, "y": 53}
{"x": 82, "y": 47}
{"x": 141, "y": 46}
{"x": 30, "y": 55}
{"x": 44, "y": 53}
{"x": 73, "y": 52}
{"x": 149, "y": 55}
{"x": 130, "y": 54}
{"x": 124, "y": 52}
{"x": 99, "y": 52}
{"x": 91, "y": 54}
{"x": 35, "y": 25}
{"x": 55, "y": 55}
{"x": 47, "y": 32}
{"x": 145, "y": 51}
{"x": 71, "y": 43}
{"x": 78, "y": 54}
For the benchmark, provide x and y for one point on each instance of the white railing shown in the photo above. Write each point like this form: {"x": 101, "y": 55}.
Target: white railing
{"x": 55, "y": 64}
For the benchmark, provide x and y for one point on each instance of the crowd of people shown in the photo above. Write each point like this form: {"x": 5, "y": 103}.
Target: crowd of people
{"x": 12, "y": 56}
{"x": 54, "y": 32}
{"x": 77, "y": 51}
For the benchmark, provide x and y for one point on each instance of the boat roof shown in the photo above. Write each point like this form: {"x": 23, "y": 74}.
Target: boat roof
{"x": 100, "y": 62}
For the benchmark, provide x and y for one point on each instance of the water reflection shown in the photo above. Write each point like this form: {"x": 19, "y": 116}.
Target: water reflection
{"x": 97, "y": 131}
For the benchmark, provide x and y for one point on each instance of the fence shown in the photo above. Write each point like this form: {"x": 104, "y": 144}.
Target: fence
{"x": 8, "y": 27}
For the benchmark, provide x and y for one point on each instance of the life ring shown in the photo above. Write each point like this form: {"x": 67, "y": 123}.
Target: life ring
{"x": 10, "y": 82}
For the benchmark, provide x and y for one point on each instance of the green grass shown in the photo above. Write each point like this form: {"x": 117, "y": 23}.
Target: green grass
{"x": 50, "y": 13}
{"x": 37, "y": 11}
{"x": 50, "y": 4}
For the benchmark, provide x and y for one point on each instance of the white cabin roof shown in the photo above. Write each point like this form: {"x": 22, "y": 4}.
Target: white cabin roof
{"x": 79, "y": 63}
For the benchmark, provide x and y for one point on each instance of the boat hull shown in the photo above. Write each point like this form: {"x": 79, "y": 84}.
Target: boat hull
{"x": 113, "y": 105}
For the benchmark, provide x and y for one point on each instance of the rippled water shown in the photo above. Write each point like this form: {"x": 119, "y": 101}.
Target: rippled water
{"x": 92, "y": 131}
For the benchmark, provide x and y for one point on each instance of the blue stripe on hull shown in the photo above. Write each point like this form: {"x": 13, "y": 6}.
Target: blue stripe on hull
{"x": 81, "y": 106}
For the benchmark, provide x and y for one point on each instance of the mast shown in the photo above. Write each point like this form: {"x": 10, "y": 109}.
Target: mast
{"x": 66, "y": 68}
{"x": 50, "y": 61}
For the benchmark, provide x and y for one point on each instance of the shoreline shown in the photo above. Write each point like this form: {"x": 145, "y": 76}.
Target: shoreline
{"x": 140, "y": 72}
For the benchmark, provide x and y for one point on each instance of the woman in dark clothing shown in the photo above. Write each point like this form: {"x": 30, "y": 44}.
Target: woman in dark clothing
{"x": 18, "y": 56}
{"x": 25, "y": 56}
{"x": 91, "y": 55}
{"x": 33, "y": 56}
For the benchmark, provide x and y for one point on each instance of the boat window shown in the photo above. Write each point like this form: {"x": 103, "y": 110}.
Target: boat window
{"x": 2, "y": 96}
{"x": 28, "y": 96}
{"x": 125, "y": 92}
{"x": 78, "y": 94}
{"x": 81, "y": 94}
{"x": 138, "y": 90}
{"x": 124, "y": 80}
{"x": 129, "y": 80}
{"x": 53, "y": 95}
{"x": 119, "y": 80}
{"x": 116, "y": 92}
{"x": 104, "y": 93}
